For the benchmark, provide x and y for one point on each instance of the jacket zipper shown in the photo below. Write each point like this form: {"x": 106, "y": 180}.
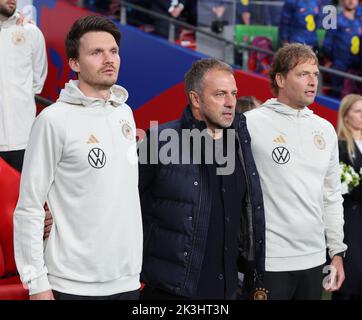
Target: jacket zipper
{"x": 5, "y": 111}
{"x": 299, "y": 135}
{"x": 194, "y": 236}
{"x": 249, "y": 205}
{"x": 197, "y": 218}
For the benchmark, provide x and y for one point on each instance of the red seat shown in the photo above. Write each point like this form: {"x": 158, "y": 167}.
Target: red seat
{"x": 187, "y": 39}
{"x": 10, "y": 286}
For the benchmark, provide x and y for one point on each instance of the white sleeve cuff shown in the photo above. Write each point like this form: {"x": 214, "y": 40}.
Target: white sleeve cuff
{"x": 38, "y": 285}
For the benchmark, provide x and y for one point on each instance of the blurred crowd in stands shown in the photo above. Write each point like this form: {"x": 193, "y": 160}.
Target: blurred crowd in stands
{"x": 337, "y": 42}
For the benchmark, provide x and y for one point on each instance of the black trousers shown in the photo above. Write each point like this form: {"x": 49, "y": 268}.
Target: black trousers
{"x": 345, "y": 296}
{"x": 149, "y": 293}
{"x": 294, "y": 285}
{"x": 130, "y": 295}
{"x": 14, "y": 158}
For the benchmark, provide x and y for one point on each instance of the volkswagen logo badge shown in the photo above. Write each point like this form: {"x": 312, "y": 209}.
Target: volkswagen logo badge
{"x": 281, "y": 155}
{"x": 97, "y": 158}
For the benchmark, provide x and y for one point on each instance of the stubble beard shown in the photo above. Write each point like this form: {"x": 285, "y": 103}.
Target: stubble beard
{"x": 102, "y": 84}
{"x": 218, "y": 124}
{"x": 4, "y": 11}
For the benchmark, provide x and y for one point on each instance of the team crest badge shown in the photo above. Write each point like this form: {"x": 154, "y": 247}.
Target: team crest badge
{"x": 127, "y": 130}
{"x": 319, "y": 141}
{"x": 18, "y": 38}
{"x": 260, "y": 294}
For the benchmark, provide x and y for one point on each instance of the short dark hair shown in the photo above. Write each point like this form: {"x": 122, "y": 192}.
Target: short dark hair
{"x": 88, "y": 24}
{"x": 195, "y": 76}
{"x": 286, "y": 58}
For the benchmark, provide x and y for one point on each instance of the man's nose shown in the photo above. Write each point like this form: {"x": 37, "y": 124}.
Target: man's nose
{"x": 230, "y": 101}
{"x": 108, "y": 58}
{"x": 313, "y": 80}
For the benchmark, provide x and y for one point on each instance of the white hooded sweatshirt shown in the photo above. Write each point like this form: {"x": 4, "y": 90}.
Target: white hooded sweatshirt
{"x": 296, "y": 153}
{"x": 82, "y": 160}
{"x": 23, "y": 70}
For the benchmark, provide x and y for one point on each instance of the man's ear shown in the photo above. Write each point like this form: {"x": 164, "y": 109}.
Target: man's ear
{"x": 194, "y": 98}
{"x": 280, "y": 80}
{"x": 74, "y": 65}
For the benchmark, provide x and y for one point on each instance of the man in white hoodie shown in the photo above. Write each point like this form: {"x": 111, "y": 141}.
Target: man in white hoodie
{"x": 22, "y": 75}
{"x": 296, "y": 154}
{"x": 82, "y": 160}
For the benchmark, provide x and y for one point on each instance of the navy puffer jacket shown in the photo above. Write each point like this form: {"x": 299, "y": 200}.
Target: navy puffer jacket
{"x": 175, "y": 201}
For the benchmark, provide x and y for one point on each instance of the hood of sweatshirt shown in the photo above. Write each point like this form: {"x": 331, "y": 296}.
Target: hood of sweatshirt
{"x": 282, "y": 108}
{"x": 71, "y": 94}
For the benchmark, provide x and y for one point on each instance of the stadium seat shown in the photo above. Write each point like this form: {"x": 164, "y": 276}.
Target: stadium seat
{"x": 187, "y": 39}
{"x": 271, "y": 32}
{"x": 321, "y": 33}
{"x": 253, "y": 31}
{"x": 10, "y": 285}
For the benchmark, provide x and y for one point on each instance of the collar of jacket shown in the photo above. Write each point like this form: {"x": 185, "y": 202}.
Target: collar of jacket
{"x": 188, "y": 121}
{"x": 281, "y": 108}
{"x": 73, "y": 95}
{"x": 11, "y": 21}
{"x": 239, "y": 121}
